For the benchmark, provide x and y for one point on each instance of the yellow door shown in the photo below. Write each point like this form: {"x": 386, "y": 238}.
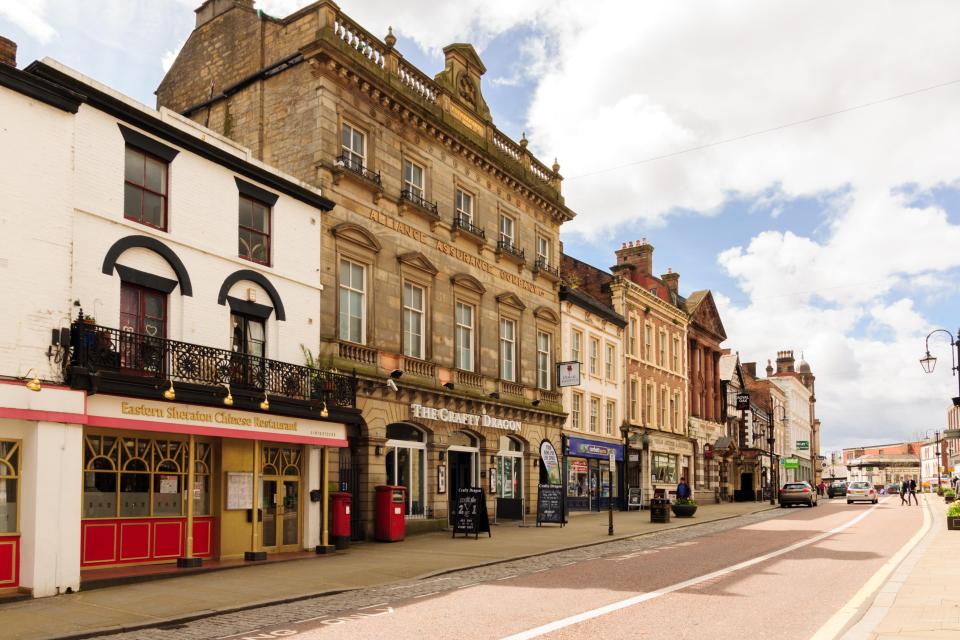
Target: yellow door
{"x": 280, "y": 497}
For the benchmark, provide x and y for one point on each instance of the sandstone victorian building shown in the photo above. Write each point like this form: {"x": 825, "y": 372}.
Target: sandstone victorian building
{"x": 440, "y": 266}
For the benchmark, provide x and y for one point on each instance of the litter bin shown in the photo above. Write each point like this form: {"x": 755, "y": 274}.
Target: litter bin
{"x": 340, "y": 520}
{"x": 659, "y": 510}
{"x": 391, "y": 505}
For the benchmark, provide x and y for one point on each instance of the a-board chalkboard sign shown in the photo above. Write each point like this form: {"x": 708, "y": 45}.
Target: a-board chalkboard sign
{"x": 633, "y": 498}
{"x": 470, "y": 513}
{"x": 550, "y": 504}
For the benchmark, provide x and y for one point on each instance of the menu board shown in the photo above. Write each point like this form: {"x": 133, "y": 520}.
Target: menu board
{"x": 470, "y": 513}
{"x": 550, "y": 504}
{"x": 633, "y": 498}
{"x": 239, "y": 490}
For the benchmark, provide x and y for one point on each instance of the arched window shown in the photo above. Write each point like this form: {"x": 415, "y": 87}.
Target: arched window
{"x": 406, "y": 465}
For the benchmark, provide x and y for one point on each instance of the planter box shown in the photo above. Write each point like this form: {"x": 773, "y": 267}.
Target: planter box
{"x": 683, "y": 510}
{"x": 953, "y": 523}
{"x": 948, "y": 499}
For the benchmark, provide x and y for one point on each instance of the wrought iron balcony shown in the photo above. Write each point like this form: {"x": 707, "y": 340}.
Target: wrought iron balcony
{"x": 97, "y": 350}
{"x": 465, "y": 225}
{"x": 510, "y": 250}
{"x": 355, "y": 166}
{"x": 542, "y": 267}
{"x": 419, "y": 201}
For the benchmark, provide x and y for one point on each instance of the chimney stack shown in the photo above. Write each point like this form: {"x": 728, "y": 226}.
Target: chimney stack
{"x": 769, "y": 368}
{"x": 213, "y": 8}
{"x": 672, "y": 280}
{"x": 636, "y": 258}
{"x": 749, "y": 368}
{"x": 8, "y": 52}
{"x": 785, "y": 361}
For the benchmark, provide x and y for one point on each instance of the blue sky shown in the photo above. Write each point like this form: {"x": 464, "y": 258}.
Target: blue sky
{"x": 836, "y": 237}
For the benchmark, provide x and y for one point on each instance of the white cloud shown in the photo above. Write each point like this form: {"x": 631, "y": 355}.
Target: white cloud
{"x": 29, "y": 15}
{"x": 169, "y": 56}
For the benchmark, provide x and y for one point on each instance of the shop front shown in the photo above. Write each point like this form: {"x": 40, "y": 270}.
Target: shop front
{"x": 591, "y": 483}
{"x": 169, "y": 482}
{"x": 671, "y": 459}
{"x": 435, "y": 446}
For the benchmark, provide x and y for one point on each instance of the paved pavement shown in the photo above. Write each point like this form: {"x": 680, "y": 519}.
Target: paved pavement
{"x": 921, "y": 600}
{"x": 370, "y": 573}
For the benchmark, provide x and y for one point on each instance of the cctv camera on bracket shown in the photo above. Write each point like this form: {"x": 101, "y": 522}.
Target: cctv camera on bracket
{"x": 392, "y": 385}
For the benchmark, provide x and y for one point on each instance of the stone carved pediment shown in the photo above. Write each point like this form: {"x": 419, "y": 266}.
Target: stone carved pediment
{"x": 707, "y": 316}
{"x": 357, "y": 235}
{"x": 468, "y": 282}
{"x": 547, "y": 314}
{"x": 511, "y": 299}
{"x": 418, "y": 261}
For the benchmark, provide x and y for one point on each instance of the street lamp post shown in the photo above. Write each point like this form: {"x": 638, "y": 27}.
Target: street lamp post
{"x": 928, "y": 362}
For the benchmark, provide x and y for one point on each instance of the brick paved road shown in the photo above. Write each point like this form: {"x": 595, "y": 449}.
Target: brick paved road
{"x": 259, "y": 622}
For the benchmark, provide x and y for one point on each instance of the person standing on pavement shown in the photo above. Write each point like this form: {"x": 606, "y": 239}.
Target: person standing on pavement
{"x": 683, "y": 489}
{"x": 913, "y": 492}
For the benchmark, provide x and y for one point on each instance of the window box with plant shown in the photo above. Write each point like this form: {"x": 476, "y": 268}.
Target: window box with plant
{"x": 684, "y": 507}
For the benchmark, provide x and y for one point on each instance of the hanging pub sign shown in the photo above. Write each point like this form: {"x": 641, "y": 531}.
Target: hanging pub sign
{"x": 550, "y": 504}
{"x": 708, "y": 451}
{"x": 568, "y": 374}
{"x": 550, "y": 462}
{"x": 470, "y": 513}
{"x": 743, "y": 401}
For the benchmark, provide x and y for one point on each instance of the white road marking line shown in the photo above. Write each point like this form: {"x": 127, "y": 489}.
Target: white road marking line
{"x": 464, "y": 586}
{"x": 832, "y": 628}
{"x": 644, "y": 597}
{"x": 425, "y": 595}
{"x": 410, "y": 584}
{"x": 310, "y": 619}
{"x": 507, "y": 577}
{"x": 373, "y": 606}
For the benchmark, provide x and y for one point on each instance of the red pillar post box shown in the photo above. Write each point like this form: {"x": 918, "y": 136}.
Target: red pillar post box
{"x": 391, "y": 503}
{"x": 340, "y": 520}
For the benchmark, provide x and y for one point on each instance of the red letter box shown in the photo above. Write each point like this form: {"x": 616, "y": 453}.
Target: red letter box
{"x": 391, "y": 509}
{"x": 340, "y": 529}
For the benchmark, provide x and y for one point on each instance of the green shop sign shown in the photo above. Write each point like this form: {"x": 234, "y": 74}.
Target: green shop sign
{"x": 803, "y": 445}
{"x": 791, "y": 463}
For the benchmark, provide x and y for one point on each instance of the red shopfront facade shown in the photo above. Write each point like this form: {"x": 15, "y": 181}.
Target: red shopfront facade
{"x": 136, "y": 481}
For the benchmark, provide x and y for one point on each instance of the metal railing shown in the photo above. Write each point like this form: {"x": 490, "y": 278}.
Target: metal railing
{"x": 411, "y": 196}
{"x": 542, "y": 265}
{"x": 469, "y": 227}
{"x": 507, "y": 247}
{"x": 353, "y": 165}
{"x": 98, "y": 348}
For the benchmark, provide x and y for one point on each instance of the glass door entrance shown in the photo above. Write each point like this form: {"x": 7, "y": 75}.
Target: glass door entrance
{"x": 280, "y": 499}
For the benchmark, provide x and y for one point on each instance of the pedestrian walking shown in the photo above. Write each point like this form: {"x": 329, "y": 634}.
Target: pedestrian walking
{"x": 913, "y": 492}
{"x": 904, "y": 487}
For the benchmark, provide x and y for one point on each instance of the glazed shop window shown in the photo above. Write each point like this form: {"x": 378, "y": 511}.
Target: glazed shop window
{"x": 139, "y": 477}
{"x": 353, "y": 303}
{"x": 145, "y": 189}
{"x": 9, "y": 485}
{"x": 664, "y": 467}
{"x": 254, "y": 230}
{"x": 509, "y": 467}
{"x": 406, "y": 464}
{"x": 578, "y": 479}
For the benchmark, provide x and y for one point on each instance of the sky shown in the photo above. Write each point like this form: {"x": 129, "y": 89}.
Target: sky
{"x": 800, "y": 160}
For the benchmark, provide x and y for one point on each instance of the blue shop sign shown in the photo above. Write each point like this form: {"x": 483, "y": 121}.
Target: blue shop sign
{"x": 582, "y": 448}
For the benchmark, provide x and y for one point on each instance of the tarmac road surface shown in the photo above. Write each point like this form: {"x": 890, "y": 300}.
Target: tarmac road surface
{"x": 778, "y": 577}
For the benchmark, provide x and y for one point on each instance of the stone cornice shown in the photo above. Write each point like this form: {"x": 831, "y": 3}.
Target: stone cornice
{"x": 641, "y": 297}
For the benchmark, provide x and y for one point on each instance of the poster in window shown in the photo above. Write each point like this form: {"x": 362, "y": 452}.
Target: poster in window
{"x": 168, "y": 484}
{"x": 239, "y": 490}
{"x": 493, "y": 481}
{"x": 441, "y": 478}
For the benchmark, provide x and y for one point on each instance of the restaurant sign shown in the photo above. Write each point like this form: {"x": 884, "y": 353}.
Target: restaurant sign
{"x": 125, "y": 413}
{"x": 420, "y": 412}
